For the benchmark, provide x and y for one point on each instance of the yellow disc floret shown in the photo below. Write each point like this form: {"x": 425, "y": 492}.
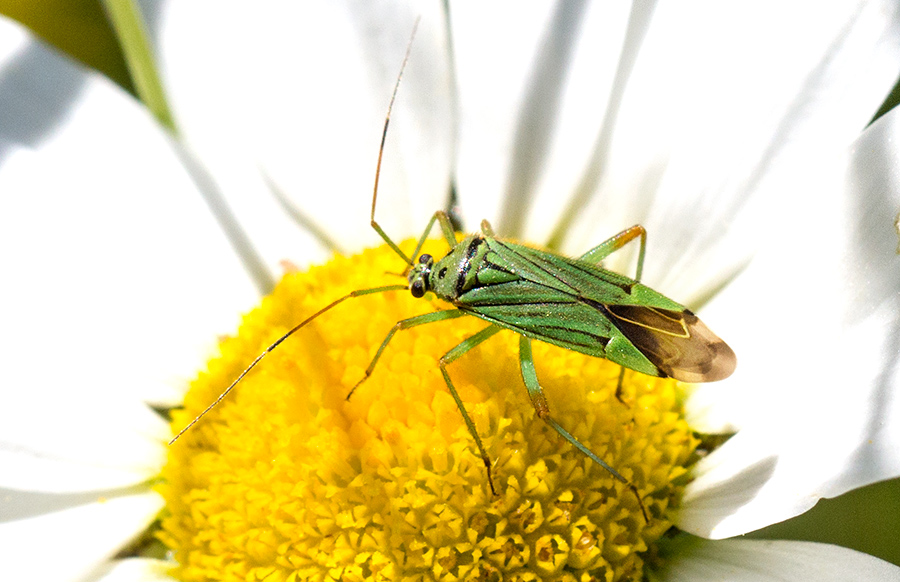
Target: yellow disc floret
{"x": 288, "y": 480}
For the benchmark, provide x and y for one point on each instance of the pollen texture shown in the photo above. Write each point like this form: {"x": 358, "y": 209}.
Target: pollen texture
{"x": 286, "y": 479}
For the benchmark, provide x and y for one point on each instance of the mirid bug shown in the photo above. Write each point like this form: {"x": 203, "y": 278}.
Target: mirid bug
{"x": 572, "y": 303}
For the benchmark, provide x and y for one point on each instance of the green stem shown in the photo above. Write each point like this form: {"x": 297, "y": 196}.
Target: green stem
{"x": 127, "y": 21}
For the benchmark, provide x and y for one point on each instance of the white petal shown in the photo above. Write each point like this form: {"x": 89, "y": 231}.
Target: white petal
{"x": 724, "y": 110}
{"x": 119, "y": 277}
{"x": 134, "y": 570}
{"x": 493, "y": 80}
{"x": 78, "y": 442}
{"x": 70, "y": 544}
{"x": 772, "y": 561}
{"x": 530, "y": 105}
{"x": 815, "y": 326}
{"x": 300, "y": 90}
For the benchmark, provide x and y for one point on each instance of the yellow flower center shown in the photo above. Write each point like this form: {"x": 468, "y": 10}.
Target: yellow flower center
{"x": 286, "y": 479}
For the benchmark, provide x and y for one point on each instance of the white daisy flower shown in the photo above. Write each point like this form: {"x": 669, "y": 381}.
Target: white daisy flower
{"x": 737, "y": 144}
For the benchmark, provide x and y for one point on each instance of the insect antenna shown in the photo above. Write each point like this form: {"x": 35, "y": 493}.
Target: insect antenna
{"x": 387, "y": 121}
{"x": 277, "y": 342}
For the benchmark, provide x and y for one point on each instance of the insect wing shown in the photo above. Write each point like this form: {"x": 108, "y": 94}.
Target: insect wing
{"x": 523, "y": 292}
{"x": 548, "y": 270}
{"x": 579, "y": 278}
{"x": 581, "y": 306}
{"x": 677, "y": 342}
{"x": 540, "y": 312}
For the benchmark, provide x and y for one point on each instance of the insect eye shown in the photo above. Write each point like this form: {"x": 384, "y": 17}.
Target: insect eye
{"x": 425, "y": 259}
{"x": 417, "y": 288}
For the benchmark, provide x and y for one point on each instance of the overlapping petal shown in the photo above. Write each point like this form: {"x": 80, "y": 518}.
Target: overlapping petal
{"x": 762, "y": 561}
{"x": 298, "y": 93}
{"x": 71, "y": 542}
{"x": 819, "y": 379}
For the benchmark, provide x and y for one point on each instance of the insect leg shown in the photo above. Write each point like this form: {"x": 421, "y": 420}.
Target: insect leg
{"x": 619, "y": 385}
{"x": 486, "y": 228}
{"x": 446, "y": 229}
{"x": 539, "y": 401}
{"x": 608, "y": 247}
{"x": 406, "y": 324}
{"x": 452, "y": 356}
{"x": 276, "y": 343}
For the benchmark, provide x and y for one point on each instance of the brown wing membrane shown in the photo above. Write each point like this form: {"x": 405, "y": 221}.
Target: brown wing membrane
{"x": 677, "y": 342}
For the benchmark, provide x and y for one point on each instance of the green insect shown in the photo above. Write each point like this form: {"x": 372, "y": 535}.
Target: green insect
{"x": 568, "y": 302}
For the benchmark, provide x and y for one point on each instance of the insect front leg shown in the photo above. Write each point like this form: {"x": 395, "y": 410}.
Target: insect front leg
{"x": 276, "y": 343}
{"x": 405, "y": 324}
{"x": 608, "y": 247}
{"x": 539, "y": 401}
{"x": 452, "y": 356}
{"x": 446, "y": 229}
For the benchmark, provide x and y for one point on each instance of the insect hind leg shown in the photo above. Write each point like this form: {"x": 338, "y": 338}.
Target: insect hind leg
{"x": 539, "y": 401}
{"x": 614, "y": 243}
{"x": 608, "y": 247}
